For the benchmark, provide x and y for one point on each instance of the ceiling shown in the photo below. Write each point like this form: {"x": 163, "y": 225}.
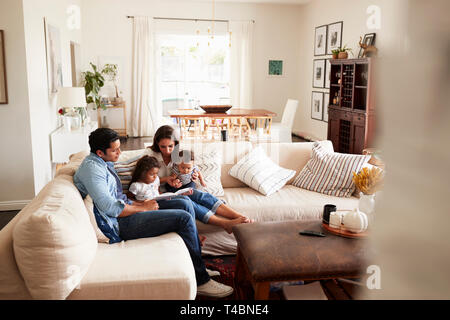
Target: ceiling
{"x": 263, "y": 1}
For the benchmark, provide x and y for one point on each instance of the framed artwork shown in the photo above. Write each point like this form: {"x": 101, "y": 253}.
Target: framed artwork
{"x": 326, "y": 102}
{"x": 369, "y": 39}
{"x": 275, "y": 67}
{"x": 334, "y": 40}
{"x": 327, "y": 73}
{"x": 316, "y": 105}
{"x": 54, "y": 61}
{"x": 3, "y": 85}
{"x": 319, "y": 73}
{"x": 75, "y": 63}
{"x": 320, "y": 41}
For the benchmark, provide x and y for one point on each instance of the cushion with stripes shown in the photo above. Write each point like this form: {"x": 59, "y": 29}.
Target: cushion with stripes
{"x": 209, "y": 164}
{"x": 330, "y": 172}
{"x": 259, "y": 172}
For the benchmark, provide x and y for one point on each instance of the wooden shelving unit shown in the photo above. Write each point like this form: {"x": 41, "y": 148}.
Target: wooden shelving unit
{"x": 351, "y": 120}
{"x": 121, "y": 131}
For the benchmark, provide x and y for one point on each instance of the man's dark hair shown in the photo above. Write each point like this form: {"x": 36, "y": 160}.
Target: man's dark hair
{"x": 101, "y": 139}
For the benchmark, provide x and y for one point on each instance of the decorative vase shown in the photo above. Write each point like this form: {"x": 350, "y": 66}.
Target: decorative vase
{"x": 343, "y": 55}
{"x": 367, "y": 205}
{"x": 72, "y": 121}
{"x": 355, "y": 221}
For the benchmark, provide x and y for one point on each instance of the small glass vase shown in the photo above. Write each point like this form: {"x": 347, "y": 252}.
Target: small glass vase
{"x": 367, "y": 205}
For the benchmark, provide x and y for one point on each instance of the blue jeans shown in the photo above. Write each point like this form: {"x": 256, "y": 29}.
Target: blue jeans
{"x": 175, "y": 215}
{"x": 205, "y": 204}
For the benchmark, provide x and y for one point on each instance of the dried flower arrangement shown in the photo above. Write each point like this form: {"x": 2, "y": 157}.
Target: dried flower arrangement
{"x": 369, "y": 181}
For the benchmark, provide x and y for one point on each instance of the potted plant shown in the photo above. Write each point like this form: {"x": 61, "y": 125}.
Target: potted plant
{"x": 335, "y": 53}
{"x": 343, "y": 52}
{"x": 93, "y": 81}
{"x": 110, "y": 72}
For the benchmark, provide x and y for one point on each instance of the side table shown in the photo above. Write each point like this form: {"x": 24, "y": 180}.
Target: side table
{"x": 64, "y": 143}
{"x": 275, "y": 251}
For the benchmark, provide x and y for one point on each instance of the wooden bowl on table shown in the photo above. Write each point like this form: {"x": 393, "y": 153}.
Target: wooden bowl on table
{"x": 216, "y": 108}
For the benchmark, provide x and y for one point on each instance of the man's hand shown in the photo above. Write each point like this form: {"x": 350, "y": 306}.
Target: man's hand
{"x": 150, "y": 205}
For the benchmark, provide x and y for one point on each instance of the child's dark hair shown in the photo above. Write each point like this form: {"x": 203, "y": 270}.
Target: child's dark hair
{"x": 142, "y": 166}
{"x": 188, "y": 153}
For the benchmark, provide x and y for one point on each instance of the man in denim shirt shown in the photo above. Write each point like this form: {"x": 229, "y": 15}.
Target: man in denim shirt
{"x": 121, "y": 219}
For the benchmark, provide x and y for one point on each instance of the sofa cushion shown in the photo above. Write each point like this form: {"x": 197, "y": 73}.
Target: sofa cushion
{"x": 55, "y": 245}
{"x": 209, "y": 163}
{"x": 148, "y": 268}
{"x": 259, "y": 172}
{"x": 330, "y": 172}
{"x": 290, "y": 203}
{"x": 90, "y": 209}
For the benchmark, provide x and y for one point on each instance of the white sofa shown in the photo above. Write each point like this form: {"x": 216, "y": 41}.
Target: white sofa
{"x": 50, "y": 251}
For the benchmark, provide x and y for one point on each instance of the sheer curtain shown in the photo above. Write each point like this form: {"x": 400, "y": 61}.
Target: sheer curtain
{"x": 145, "y": 111}
{"x": 241, "y": 84}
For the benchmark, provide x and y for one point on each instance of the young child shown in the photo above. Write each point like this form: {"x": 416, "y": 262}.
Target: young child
{"x": 183, "y": 170}
{"x": 145, "y": 182}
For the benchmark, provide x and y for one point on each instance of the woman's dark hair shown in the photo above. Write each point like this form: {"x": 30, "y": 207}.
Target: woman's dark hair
{"x": 163, "y": 132}
{"x": 101, "y": 139}
{"x": 142, "y": 166}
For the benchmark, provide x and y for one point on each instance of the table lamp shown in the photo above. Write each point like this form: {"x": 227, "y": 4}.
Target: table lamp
{"x": 74, "y": 99}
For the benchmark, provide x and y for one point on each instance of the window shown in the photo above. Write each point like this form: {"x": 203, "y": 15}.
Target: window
{"x": 192, "y": 72}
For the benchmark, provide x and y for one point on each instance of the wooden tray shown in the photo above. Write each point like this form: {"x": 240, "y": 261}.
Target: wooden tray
{"x": 345, "y": 233}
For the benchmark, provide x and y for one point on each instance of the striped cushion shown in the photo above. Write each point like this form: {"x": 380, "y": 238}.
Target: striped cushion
{"x": 259, "y": 172}
{"x": 330, "y": 172}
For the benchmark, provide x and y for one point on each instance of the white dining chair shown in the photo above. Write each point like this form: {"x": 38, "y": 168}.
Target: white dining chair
{"x": 282, "y": 131}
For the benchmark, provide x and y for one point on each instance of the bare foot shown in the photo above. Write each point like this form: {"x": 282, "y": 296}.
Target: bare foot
{"x": 202, "y": 239}
{"x": 229, "y": 223}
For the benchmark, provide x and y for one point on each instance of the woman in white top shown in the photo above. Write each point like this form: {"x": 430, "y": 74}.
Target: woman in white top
{"x": 164, "y": 143}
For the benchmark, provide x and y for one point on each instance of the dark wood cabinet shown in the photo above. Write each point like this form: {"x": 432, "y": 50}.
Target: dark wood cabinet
{"x": 351, "y": 109}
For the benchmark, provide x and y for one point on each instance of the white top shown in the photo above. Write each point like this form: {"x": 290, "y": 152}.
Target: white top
{"x": 164, "y": 170}
{"x": 144, "y": 191}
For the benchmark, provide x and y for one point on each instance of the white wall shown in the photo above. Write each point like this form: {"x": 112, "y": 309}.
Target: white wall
{"x": 354, "y": 16}
{"x": 16, "y": 166}
{"x": 108, "y": 33}
{"x": 43, "y": 109}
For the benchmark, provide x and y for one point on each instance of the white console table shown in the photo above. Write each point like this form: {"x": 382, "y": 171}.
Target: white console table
{"x": 65, "y": 143}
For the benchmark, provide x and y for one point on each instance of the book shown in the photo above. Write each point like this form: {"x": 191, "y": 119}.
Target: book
{"x": 168, "y": 195}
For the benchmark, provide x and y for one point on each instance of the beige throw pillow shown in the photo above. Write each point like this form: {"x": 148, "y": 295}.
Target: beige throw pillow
{"x": 55, "y": 245}
{"x": 101, "y": 238}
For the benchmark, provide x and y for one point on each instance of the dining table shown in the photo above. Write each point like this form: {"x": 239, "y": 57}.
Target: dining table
{"x": 260, "y": 116}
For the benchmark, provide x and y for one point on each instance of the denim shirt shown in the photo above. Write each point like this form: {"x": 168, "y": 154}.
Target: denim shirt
{"x": 99, "y": 179}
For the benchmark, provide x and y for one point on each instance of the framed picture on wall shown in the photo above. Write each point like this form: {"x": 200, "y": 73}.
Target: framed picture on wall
{"x": 320, "y": 41}
{"x": 326, "y": 102}
{"x": 316, "y": 105}
{"x": 327, "y": 73}
{"x": 275, "y": 67}
{"x": 334, "y": 40}
{"x": 3, "y": 86}
{"x": 319, "y": 73}
{"x": 54, "y": 61}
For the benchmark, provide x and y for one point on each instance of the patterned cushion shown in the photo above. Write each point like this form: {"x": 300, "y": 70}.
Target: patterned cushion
{"x": 209, "y": 164}
{"x": 259, "y": 172}
{"x": 330, "y": 172}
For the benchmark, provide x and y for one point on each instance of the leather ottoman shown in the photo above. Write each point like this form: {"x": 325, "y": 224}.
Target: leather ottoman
{"x": 275, "y": 251}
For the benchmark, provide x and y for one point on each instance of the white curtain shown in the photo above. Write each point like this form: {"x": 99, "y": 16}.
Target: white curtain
{"x": 145, "y": 111}
{"x": 241, "y": 82}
